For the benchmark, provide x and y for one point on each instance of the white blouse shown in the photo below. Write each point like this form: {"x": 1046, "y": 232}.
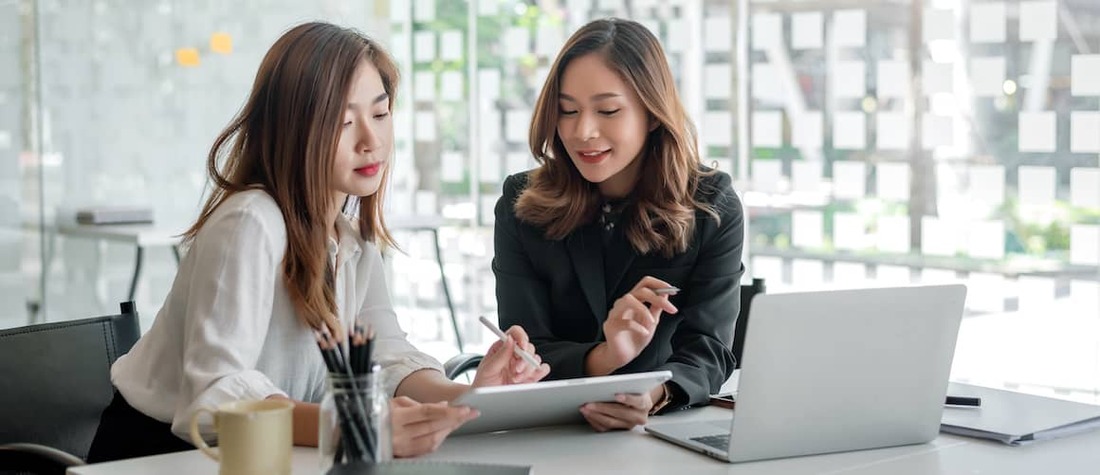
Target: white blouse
{"x": 229, "y": 331}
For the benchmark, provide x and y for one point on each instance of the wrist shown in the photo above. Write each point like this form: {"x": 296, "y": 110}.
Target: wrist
{"x": 662, "y": 396}
{"x": 599, "y": 361}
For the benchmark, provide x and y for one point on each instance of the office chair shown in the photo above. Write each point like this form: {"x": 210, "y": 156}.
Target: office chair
{"x": 747, "y": 293}
{"x": 59, "y": 381}
{"x": 464, "y": 362}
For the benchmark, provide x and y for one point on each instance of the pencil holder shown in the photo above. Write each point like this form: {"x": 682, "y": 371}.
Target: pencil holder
{"x": 354, "y": 423}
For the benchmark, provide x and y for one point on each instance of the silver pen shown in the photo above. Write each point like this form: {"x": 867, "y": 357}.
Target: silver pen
{"x": 519, "y": 351}
{"x": 667, "y": 291}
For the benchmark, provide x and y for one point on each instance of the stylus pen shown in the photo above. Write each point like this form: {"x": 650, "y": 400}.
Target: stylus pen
{"x": 666, "y": 291}
{"x": 963, "y": 401}
{"x": 522, "y": 354}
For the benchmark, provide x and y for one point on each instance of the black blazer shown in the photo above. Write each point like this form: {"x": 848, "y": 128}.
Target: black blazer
{"x": 561, "y": 292}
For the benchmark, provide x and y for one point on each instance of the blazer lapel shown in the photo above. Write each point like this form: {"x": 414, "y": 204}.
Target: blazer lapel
{"x": 586, "y": 252}
{"x": 620, "y": 258}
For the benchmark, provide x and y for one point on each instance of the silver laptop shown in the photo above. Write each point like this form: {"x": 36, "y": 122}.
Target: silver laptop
{"x": 835, "y": 371}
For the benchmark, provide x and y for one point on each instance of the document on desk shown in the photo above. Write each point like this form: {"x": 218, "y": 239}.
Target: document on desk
{"x": 1016, "y": 418}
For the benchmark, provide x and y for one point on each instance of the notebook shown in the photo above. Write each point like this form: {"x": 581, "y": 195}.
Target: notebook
{"x": 1016, "y": 418}
{"x": 421, "y": 467}
{"x": 835, "y": 371}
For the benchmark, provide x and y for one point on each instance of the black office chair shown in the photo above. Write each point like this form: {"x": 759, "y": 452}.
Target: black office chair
{"x": 464, "y": 362}
{"x": 58, "y": 377}
{"x": 747, "y": 293}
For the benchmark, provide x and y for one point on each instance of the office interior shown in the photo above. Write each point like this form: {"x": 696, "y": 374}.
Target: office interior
{"x": 874, "y": 142}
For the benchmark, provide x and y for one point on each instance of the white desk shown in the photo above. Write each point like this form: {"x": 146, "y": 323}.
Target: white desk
{"x": 577, "y": 449}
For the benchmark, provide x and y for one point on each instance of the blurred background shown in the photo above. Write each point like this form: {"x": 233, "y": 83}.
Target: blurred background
{"x": 875, "y": 142}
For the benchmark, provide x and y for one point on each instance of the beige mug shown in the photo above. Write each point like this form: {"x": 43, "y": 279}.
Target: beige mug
{"x": 254, "y": 437}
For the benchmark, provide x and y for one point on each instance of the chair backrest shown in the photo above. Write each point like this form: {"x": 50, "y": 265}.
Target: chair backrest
{"x": 747, "y": 293}
{"x": 57, "y": 378}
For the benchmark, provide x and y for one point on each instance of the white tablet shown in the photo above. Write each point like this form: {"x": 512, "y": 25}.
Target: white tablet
{"x": 548, "y": 402}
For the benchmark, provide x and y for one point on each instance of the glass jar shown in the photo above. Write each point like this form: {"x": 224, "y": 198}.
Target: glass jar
{"x": 354, "y": 421}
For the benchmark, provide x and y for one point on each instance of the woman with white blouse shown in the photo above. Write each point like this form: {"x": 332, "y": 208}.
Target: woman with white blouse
{"x": 275, "y": 255}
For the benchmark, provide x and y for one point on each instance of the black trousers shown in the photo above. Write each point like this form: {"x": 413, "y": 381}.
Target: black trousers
{"x": 124, "y": 432}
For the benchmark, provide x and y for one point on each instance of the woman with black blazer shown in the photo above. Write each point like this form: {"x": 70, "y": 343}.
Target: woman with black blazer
{"x": 620, "y": 208}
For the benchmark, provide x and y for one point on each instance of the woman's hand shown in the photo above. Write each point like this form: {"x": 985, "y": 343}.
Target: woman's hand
{"x": 419, "y": 428}
{"x": 628, "y": 411}
{"x": 633, "y": 319}
{"x": 502, "y": 365}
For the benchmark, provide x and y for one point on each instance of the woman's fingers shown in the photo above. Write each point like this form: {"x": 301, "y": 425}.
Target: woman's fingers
{"x": 614, "y": 415}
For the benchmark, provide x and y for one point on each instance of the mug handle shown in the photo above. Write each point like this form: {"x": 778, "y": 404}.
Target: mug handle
{"x": 197, "y": 439}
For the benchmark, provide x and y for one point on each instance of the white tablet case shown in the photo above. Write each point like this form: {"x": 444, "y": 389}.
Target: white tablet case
{"x": 548, "y": 402}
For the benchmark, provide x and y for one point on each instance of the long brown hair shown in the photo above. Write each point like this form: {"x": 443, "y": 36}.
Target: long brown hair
{"x": 283, "y": 141}
{"x": 557, "y": 198}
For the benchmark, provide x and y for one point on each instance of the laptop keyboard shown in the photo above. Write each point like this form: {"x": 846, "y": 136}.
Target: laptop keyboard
{"x": 719, "y": 441}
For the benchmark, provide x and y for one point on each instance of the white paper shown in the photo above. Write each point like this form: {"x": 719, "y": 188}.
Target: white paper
{"x": 985, "y": 292}
{"x": 451, "y": 85}
{"x": 938, "y": 131}
{"x": 717, "y": 80}
{"x": 549, "y": 40}
{"x": 806, "y": 229}
{"x": 425, "y": 126}
{"x": 518, "y": 162}
{"x": 849, "y": 28}
{"x": 1084, "y": 129}
{"x": 938, "y": 238}
{"x": 426, "y": 202}
{"x": 938, "y": 78}
{"x": 424, "y": 46}
{"x": 892, "y": 180}
{"x": 451, "y": 42}
{"x": 986, "y": 239}
{"x": 768, "y": 268}
{"x": 1038, "y": 20}
{"x": 849, "y": 274}
{"x": 807, "y": 30}
{"x": 453, "y": 166}
{"x": 987, "y": 184}
{"x": 487, "y": 7}
{"x": 677, "y": 35}
{"x": 1085, "y": 75}
{"x": 849, "y": 130}
{"x": 767, "y": 129}
{"x": 1037, "y": 131}
{"x": 849, "y": 79}
{"x": 1036, "y": 186}
{"x": 516, "y": 42}
{"x": 808, "y": 130}
{"x": 893, "y": 234}
{"x": 892, "y": 129}
{"x": 939, "y": 24}
{"x": 849, "y": 179}
{"x": 424, "y": 86}
{"x": 424, "y": 10}
{"x": 491, "y": 171}
{"x": 987, "y": 76}
{"x": 1084, "y": 187}
{"x": 806, "y": 176}
{"x": 1084, "y": 244}
{"x": 488, "y": 85}
{"x": 807, "y": 274}
{"x": 517, "y": 124}
{"x": 766, "y": 85}
{"x": 893, "y": 275}
{"x": 1035, "y": 294}
{"x": 717, "y": 128}
{"x": 849, "y": 232}
{"x": 767, "y": 29}
{"x": 766, "y": 175}
{"x": 893, "y": 79}
{"x": 987, "y": 22}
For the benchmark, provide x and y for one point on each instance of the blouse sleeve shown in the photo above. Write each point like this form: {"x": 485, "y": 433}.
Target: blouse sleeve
{"x": 236, "y": 255}
{"x": 392, "y": 349}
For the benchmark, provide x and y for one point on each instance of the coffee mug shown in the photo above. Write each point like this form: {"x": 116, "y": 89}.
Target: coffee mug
{"x": 254, "y": 437}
